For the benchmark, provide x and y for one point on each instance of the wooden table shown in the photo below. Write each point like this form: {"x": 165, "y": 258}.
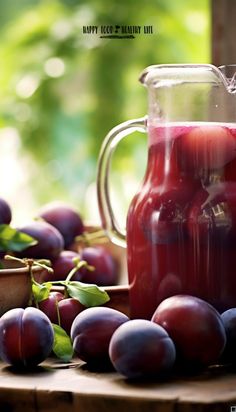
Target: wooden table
{"x": 73, "y": 388}
{"x": 57, "y": 387}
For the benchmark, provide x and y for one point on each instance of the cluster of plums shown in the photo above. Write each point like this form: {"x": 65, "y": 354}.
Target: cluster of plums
{"x": 184, "y": 331}
{"x": 55, "y": 229}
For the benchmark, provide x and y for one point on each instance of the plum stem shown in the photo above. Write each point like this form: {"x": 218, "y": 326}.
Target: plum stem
{"x": 44, "y": 266}
{"x": 10, "y": 257}
{"x": 79, "y": 264}
{"x": 30, "y": 262}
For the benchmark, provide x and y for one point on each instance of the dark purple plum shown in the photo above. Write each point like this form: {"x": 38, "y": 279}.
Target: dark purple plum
{"x": 140, "y": 348}
{"x": 62, "y": 265}
{"x": 92, "y": 330}
{"x": 68, "y": 309}
{"x": 26, "y": 337}
{"x": 65, "y": 219}
{"x": 5, "y": 212}
{"x": 195, "y": 327}
{"x": 106, "y": 268}
{"x": 50, "y": 241}
{"x": 49, "y": 305}
{"x": 229, "y": 321}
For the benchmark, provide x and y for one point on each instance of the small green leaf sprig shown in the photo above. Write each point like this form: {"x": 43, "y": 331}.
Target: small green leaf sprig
{"x": 62, "y": 345}
{"x": 87, "y": 294}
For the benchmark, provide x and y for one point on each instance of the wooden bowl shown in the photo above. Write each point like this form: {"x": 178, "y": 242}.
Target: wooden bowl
{"x": 15, "y": 285}
{"x": 119, "y": 298}
{"x": 15, "y": 288}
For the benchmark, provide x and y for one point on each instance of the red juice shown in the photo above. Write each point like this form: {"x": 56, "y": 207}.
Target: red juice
{"x": 181, "y": 225}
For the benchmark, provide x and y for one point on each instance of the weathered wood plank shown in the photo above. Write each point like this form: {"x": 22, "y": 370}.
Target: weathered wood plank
{"x": 54, "y": 388}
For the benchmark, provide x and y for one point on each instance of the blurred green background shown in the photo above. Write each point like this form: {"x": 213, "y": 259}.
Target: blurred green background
{"x": 61, "y": 91}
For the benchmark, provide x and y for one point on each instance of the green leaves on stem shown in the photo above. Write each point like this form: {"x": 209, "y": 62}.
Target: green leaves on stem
{"x": 40, "y": 291}
{"x": 87, "y": 294}
{"x": 13, "y": 240}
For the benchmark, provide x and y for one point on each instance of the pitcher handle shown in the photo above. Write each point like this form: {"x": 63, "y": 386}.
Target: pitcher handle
{"x": 109, "y": 222}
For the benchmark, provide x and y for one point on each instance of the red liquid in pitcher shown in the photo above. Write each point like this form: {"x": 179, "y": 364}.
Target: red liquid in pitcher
{"x": 181, "y": 227}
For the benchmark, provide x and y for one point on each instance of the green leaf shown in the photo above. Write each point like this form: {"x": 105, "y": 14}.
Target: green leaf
{"x": 62, "y": 345}
{"x": 12, "y": 239}
{"x": 87, "y": 294}
{"x": 40, "y": 291}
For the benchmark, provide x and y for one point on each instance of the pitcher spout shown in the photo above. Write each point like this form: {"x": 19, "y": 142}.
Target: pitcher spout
{"x": 229, "y": 73}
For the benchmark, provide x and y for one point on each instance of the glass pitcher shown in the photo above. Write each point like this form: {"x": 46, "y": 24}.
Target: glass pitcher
{"x": 181, "y": 225}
